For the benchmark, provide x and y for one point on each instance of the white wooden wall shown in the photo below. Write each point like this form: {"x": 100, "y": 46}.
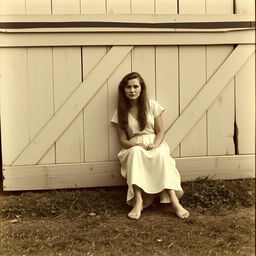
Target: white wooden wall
{"x": 37, "y": 81}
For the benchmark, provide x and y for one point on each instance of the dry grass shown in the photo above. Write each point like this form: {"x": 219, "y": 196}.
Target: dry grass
{"x": 61, "y": 223}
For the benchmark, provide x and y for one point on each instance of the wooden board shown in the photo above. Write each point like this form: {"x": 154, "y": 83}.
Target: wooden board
{"x": 219, "y": 7}
{"x": 90, "y": 16}
{"x": 220, "y": 116}
{"x": 192, "y": 65}
{"x": 12, "y": 7}
{"x": 167, "y": 85}
{"x": 101, "y": 174}
{"x": 93, "y": 7}
{"x": 167, "y": 74}
{"x": 118, "y": 7}
{"x": 67, "y": 77}
{"x": 245, "y": 107}
{"x": 40, "y": 85}
{"x": 145, "y": 38}
{"x": 14, "y": 103}
{"x": 96, "y": 112}
{"x": 245, "y": 6}
{"x": 66, "y": 7}
{"x": 142, "y": 6}
{"x": 191, "y": 7}
{"x": 166, "y": 7}
{"x": 38, "y": 7}
{"x": 113, "y": 82}
{"x": 143, "y": 58}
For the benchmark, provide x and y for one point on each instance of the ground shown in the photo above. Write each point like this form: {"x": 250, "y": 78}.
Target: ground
{"x": 156, "y": 233}
{"x": 95, "y": 223}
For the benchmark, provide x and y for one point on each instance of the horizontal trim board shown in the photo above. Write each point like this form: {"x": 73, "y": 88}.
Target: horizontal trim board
{"x": 117, "y": 29}
{"x": 112, "y": 38}
{"x": 131, "y": 18}
{"x": 97, "y": 24}
{"x": 102, "y": 174}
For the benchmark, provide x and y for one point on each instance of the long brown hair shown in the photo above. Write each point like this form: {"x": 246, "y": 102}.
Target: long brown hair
{"x": 124, "y": 104}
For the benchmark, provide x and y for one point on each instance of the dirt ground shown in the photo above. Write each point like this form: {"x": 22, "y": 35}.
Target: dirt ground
{"x": 158, "y": 232}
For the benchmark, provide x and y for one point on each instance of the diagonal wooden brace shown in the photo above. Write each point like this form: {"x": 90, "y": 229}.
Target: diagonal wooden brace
{"x": 204, "y": 99}
{"x": 72, "y": 107}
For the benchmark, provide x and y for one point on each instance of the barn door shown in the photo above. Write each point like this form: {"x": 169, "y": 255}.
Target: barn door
{"x": 76, "y": 110}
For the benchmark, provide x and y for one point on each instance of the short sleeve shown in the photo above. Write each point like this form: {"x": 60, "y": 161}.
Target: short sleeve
{"x": 156, "y": 108}
{"x": 114, "y": 118}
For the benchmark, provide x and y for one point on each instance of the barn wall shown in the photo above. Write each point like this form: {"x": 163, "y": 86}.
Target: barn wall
{"x": 45, "y": 77}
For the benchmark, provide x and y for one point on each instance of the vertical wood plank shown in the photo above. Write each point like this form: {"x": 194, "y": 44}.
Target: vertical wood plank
{"x": 167, "y": 84}
{"x": 12, "y": 7}
{"x": 245, "y": 107}
{"x": 14, "y": 103}
{"x": 113, "y": 82}
{"x": 67, "y": 77}
{"x": 143, "y": 62}
{"x": 244, "y": 6}
{"x": 93, "y": 7}
{"x": 66, "y": 7}
{"x": 40, "y": 81}
{"x": 143, "y": 6}
{"x": 219, "y": 6}
{"x": 96, "y": 112}
{"x": 220, "y": 116}
{"x": 118, "y": 7}
{"x": 38, "y": 7}
{"x": 191, "y": 7}
{"x": 167, "y": 73}
{"x": 40, "y": 93}
{"x": 192, "y": 78}
{"x": 166, "y": 6}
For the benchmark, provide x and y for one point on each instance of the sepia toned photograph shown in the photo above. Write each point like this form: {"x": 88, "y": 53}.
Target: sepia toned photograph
{"x": 127, "y": 127}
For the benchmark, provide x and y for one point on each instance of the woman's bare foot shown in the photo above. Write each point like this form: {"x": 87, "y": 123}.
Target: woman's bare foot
{"x": 135, "y": 213}
{"x": 181, "y": 212}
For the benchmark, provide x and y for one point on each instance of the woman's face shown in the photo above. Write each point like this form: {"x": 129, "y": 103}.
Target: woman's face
{"x": 132, "y": 89}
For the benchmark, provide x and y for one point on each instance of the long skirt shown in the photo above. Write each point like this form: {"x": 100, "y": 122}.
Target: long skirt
{"x": 153, "y": 171}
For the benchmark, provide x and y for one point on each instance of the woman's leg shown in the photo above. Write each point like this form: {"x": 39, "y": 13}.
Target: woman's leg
{"x": 135, "y": 213}
{"x": 178, "y": 208}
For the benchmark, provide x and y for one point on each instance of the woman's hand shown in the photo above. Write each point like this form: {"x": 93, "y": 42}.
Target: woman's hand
{"x": 147, "y": 147}
{"x": 150, "y": 146}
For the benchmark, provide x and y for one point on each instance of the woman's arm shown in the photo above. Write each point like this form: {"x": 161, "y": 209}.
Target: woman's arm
{"x": 125, "y": 143}
{"x": 159, "y": 127}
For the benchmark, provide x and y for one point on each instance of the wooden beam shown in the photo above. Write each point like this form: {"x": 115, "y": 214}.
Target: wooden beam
{"x": 132, "y": 38}
{"x": 101, "y": 174}
{"x": 134, "y": 18}
{"x": 71, "y": 108}
{"x": 203, "y": 100}
{"x": 118, "y": 29}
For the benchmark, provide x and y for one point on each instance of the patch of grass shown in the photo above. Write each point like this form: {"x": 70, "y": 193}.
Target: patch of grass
{"x": 206, "y": 194}
{"x": 59, "y": 223}
{"x": 64, "y": 203}
{"x": 153, "y": 235}
{"x": 203, "y": 194}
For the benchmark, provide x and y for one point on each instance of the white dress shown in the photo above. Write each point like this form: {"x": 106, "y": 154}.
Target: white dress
{"x": 153, "y": 171}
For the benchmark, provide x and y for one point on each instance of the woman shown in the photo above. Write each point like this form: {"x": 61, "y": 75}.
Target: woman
{"x": 145, "y": 159}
